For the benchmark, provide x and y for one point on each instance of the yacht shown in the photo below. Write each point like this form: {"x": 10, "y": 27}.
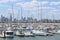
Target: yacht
{"x": 6, "y": 34}
{"x": 9, "y": 32}
{"x": 39, "y": 33}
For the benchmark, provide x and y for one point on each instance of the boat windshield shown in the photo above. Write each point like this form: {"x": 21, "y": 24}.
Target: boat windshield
{"x": 9, "y": 33}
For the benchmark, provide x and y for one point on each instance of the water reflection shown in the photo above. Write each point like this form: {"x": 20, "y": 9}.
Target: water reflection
{"x": 55, "y": 37}
{"x": 6, "y": 38}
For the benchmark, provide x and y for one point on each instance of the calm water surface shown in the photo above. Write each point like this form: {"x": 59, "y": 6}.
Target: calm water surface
{"x": 55, "y": 37}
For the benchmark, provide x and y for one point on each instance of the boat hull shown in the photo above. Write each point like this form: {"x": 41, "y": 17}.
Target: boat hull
{"x": 21, "y": 35}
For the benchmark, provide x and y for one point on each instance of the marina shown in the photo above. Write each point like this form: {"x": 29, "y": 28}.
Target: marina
{"x": 30, "y": 30}
{"x": 29, "y": 20}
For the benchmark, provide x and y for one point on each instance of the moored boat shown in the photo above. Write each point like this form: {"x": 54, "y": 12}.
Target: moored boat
{"x": 39, "y": 33}
{"x": 20, "y": 34}
{"x": 9, "y": 32}
{"x": 29, "y": 34}
{"x": 1, "y": 34}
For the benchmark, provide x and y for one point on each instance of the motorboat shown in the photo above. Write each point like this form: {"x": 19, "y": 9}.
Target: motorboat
{"x": 9, "y": 34}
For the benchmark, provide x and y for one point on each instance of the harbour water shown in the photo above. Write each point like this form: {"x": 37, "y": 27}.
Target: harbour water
{"x": 55, "y": 37}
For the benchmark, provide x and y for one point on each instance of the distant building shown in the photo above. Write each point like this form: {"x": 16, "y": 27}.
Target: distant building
{"x": 4, "y": 19}
{"x": 10, "y": 17}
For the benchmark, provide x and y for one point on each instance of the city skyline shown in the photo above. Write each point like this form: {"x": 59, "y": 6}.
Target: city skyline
{"x": 26, "y": 20}
{"x": 49, "y": 9}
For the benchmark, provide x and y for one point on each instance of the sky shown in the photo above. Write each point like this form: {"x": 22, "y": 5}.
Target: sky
{"x": 40, "y": 9}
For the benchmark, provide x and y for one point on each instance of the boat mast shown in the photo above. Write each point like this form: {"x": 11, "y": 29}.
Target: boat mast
{"x": 38, "y": 12}
{"x": 12, "y": 15}
{"x": 18, "y": 22}
{"x": 53, "y": 19}
{"x": 19, "y": 11}
{"x": 21, "y": 15}
{"x": 41, "y": 12}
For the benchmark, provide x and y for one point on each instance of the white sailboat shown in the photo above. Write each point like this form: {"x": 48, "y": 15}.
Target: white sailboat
{"x": 20, "y": 34}
{"x": 39, "y": 33}
{"x": 19, "y": 31}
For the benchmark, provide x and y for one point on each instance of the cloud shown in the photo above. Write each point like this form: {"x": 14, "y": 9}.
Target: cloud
{"x": 14, "y": 10}
{"x": 55, "y": 11}
{"x": 4, "y": 1}
{"x": 54, "y": 3}
{"x": 33, "y": 4}
{"x": 55, "y": 14}
{"x": 49, "y": 7}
